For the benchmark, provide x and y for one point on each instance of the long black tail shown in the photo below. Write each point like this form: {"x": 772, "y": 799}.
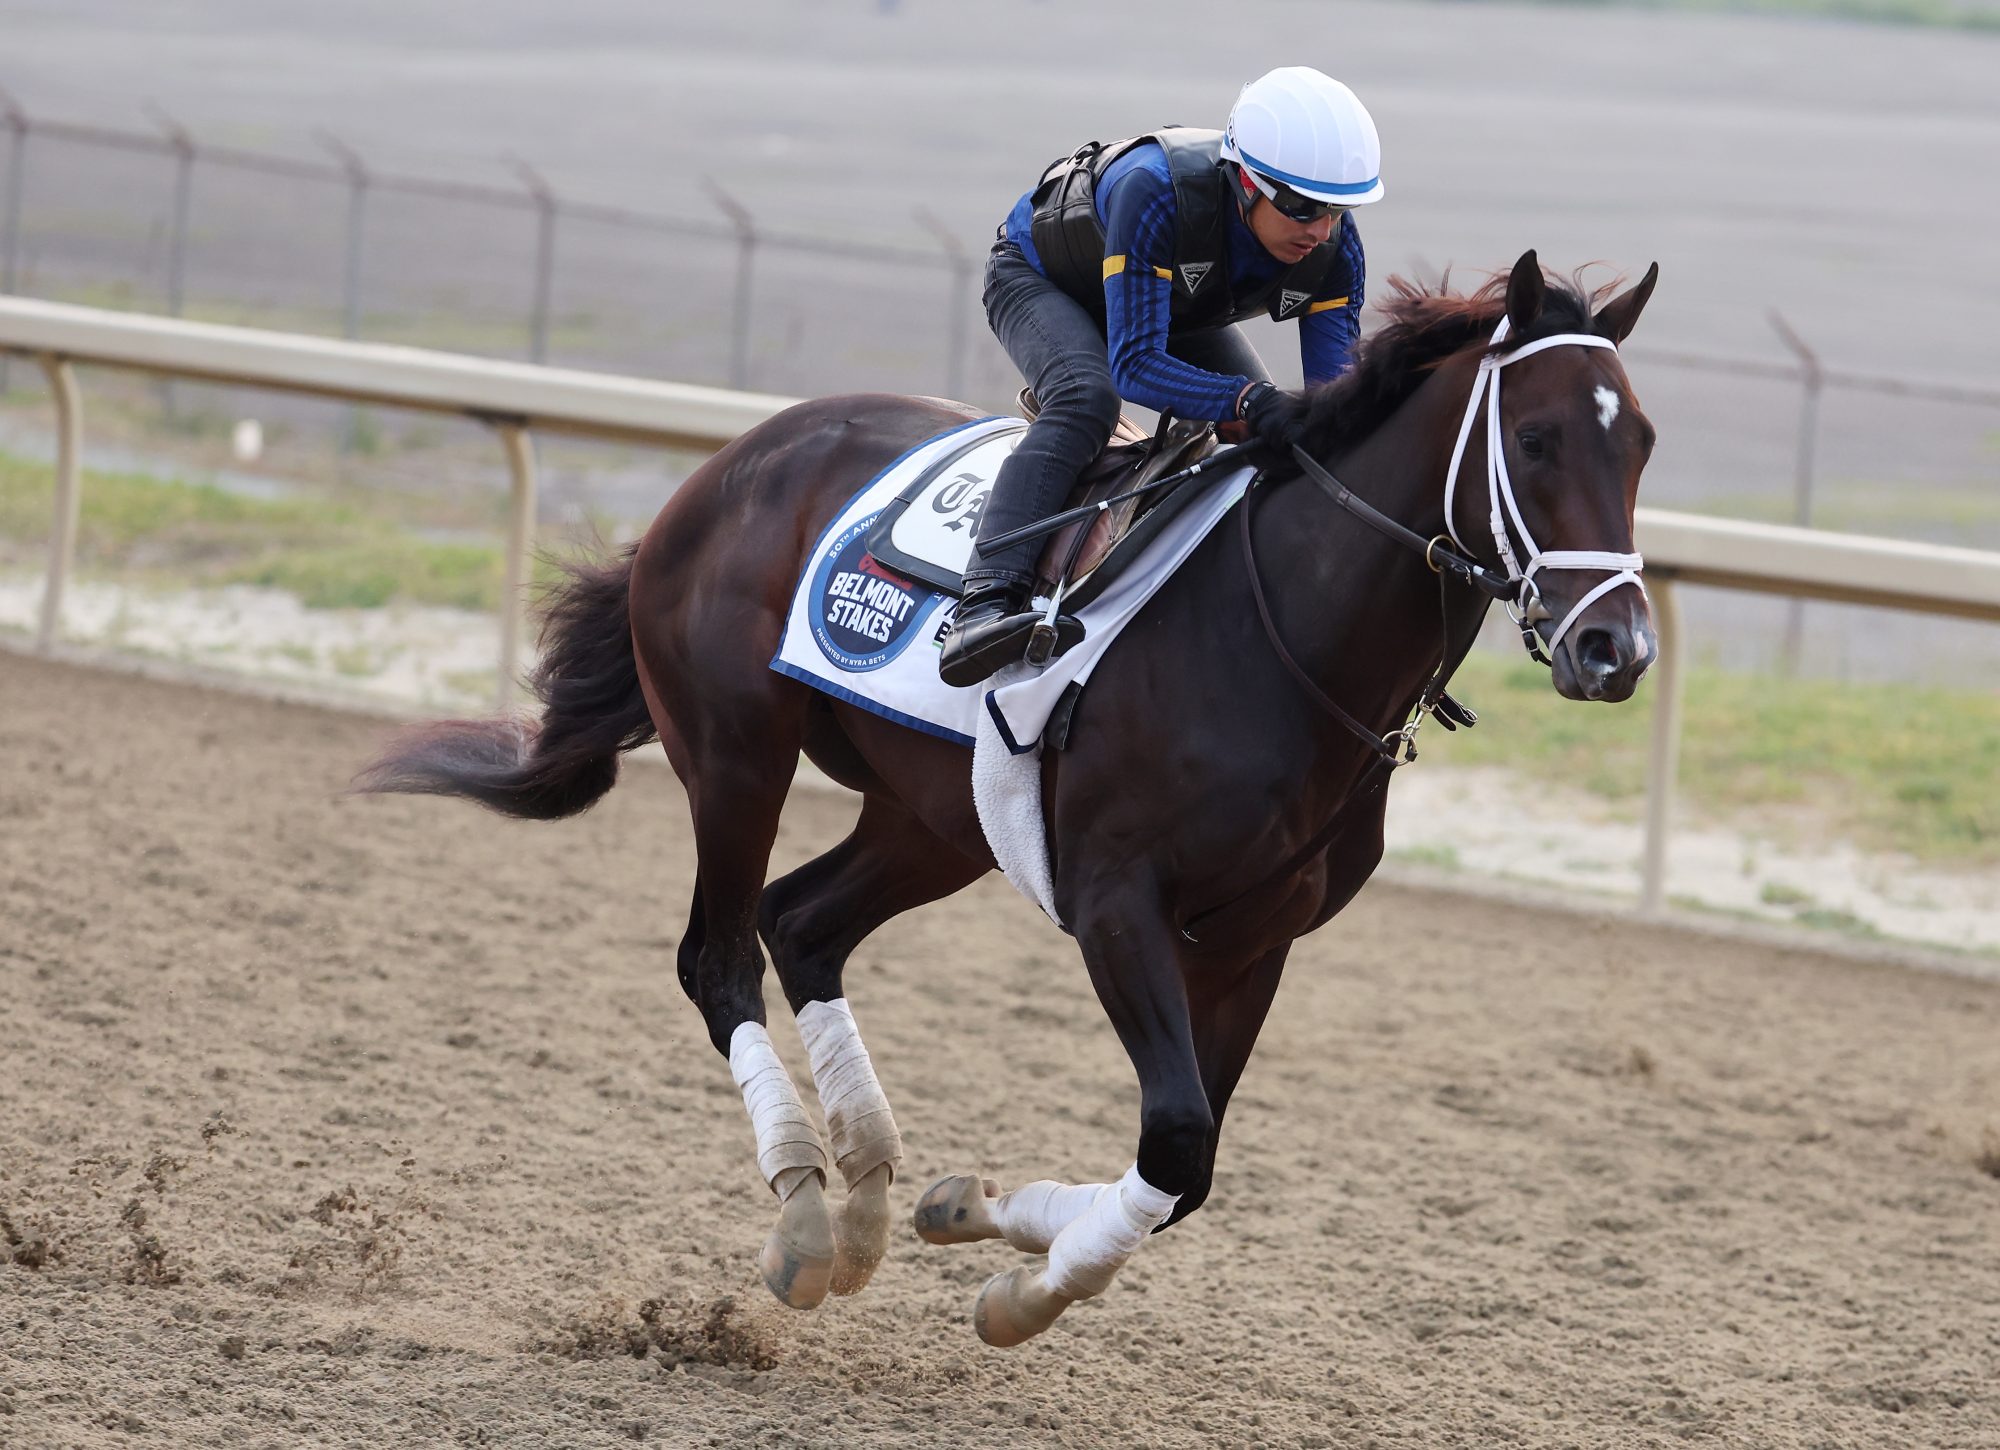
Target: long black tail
{"x": 592, "y": 712}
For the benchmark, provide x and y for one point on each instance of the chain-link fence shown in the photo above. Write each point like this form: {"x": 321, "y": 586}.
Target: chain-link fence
{"x": 168, "y": 223}
{"x": 164, "y": 221}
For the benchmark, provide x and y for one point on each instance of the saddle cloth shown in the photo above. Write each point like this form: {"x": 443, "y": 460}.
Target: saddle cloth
{"x": 926, "y": 532}
{"x": 869, "y": 634}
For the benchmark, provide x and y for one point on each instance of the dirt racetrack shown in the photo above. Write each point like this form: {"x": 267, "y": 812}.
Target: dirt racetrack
{"x": 330, "y": 1121}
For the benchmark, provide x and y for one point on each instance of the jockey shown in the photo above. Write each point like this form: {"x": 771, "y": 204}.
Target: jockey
{"x": 1121, "y": 274}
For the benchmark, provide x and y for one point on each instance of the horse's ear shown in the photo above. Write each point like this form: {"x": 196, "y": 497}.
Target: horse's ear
{"x": 1621, "y": 314}
{"x": 1525, "y": 292}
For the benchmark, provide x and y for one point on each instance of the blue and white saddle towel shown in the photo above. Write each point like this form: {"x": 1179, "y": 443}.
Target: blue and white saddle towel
{"x": 868, "y": 635}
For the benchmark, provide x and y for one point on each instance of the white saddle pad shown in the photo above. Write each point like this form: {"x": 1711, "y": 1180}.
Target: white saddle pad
{"x": 867, "y": 634}
{"x": 926, "y": 530}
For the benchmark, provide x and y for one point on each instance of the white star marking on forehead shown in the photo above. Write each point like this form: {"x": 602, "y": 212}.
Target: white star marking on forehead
{"x": 1607, "y": 406}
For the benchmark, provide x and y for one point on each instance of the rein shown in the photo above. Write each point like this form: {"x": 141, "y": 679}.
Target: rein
{"x": 1397, "y": 747}
{"x": 1517, "y": 588}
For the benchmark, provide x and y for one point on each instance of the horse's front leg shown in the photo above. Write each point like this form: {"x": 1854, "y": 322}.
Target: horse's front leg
{"x": 1229, "y": 1010}
{"x": 1089, "y": 1230}
{"x": 1228, "y": 1013}
{"x": 966, "y": 1208}
{"x": 1227, "y": 1016}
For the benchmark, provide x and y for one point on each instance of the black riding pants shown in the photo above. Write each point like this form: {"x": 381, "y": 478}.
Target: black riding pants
{"x": 1062, "y": 353}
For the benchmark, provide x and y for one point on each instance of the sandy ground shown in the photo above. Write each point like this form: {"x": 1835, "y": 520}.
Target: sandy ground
{"x": 413, "y": 654}
{"x": 374, "y": 1122}
{"x": 1486, "y": 821}
{"x": 1494, "y": 825}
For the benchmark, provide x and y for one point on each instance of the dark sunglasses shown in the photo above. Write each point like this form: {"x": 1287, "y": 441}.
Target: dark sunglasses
{"x": 1292, "y": 205}
{"x": 1298, "y": 207}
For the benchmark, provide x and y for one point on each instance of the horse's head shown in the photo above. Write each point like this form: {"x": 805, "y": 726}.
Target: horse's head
{"x": 1564, "y": 444}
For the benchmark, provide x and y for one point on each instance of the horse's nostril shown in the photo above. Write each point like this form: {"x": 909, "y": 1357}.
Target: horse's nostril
{"x": 1597, "y": 651}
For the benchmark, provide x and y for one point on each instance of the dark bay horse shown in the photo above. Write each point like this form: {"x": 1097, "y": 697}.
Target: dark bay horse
{"x": 1198, "y": 780}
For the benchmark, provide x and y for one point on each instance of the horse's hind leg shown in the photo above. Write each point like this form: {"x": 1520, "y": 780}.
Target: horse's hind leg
{"x": 811, "y": 920}
{"x": 737, "y": 765}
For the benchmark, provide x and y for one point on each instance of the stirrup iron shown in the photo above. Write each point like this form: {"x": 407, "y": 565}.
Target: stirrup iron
{"x": 1044, "y": 640}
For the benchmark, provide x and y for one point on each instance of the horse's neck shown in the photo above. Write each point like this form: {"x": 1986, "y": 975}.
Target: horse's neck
{"x": 1359, "y": 611}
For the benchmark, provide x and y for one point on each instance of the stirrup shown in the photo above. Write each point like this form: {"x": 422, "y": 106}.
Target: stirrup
{"x": 972, "y": 656}
{"x": 1044, "y": 643}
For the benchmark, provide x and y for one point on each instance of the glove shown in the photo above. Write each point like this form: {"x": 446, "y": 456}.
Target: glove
{"x": 1275, "y": 416}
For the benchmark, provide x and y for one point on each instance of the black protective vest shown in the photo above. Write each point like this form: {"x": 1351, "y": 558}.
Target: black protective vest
{"x": 1069, "y": 238}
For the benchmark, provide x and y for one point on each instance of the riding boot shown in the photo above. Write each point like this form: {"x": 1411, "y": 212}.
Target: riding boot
{"x": 994, "y": 628}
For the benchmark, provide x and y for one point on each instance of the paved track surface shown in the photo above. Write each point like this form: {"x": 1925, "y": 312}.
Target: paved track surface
{"x": 376, "y": 1122}
{"x": 1838, "y": 170}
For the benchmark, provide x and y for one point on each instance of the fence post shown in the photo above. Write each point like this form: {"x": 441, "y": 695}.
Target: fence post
{"x": 357, "y": 199}
{"x": 1812, "y": 379}
{"x": 520, "y": 449}
{"x": 746, "y": 249}
{"x": 69, "y": 495}
{"x": 961, "y": 300}
{"x": 184, "y": 153}
{"x": 16, "y": 121}
{"x": 1663, "y": 759}
{"x": 545, "y": 254}
{"x": 10, "y": 219}
{"x": 350, "y": 301}
{"x": 183, "y": 148}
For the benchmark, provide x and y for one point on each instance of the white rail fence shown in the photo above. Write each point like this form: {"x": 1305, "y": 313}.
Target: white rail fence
{"x": 518, "y": 398}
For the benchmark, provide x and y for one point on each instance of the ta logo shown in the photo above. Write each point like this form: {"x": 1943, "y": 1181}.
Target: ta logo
{"x": 965, "y": 496}
{"x": 1290, "y": 301}
{"x": 1195, "y": 273}
{"x": 864, "y": 615}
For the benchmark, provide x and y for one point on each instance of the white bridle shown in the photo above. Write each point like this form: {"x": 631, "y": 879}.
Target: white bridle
{"x": 1527, "y": 607}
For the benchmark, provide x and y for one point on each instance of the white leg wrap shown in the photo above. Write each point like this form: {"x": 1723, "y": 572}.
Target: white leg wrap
{"x": 1087, "y": 1253}
{"x": 788, "y": 1145}
{"x": 857, "y": 1113}
{"x": 1030, "y": 1217}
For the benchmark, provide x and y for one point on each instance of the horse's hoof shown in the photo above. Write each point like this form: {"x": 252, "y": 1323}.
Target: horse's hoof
{"x": 861, "y": 1231}
{"x": 797, "y": 1261}
{"x": 957, "y": 1210}
{"x": 1015, "y": 1306}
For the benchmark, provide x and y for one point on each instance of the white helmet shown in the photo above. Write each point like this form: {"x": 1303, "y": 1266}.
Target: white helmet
{"x": 1296, "y": 129}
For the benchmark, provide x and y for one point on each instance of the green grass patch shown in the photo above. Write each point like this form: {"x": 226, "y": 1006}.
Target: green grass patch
{"x": 1915, "y": 769}
{"x": 329, "y": 554}
{"x": 366, "y": 573}
{"x": 447, "y": 320}
{"x": 1888, "y": 766}
{"x": 1442, "y": 858}
{"x": 1777, "y": 893}
{"x": 1895, "y": 509}
{"x": 1826, "y": 918}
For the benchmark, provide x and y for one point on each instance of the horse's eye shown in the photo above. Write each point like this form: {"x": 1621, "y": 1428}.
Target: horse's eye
{"x": 1530, "y": 440}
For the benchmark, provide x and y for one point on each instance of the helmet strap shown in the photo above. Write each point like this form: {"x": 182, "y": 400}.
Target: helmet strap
{"x": 1246, "y": 191}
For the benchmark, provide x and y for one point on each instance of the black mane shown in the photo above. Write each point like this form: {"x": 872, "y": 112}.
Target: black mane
{"x": 1428, "y": 327}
